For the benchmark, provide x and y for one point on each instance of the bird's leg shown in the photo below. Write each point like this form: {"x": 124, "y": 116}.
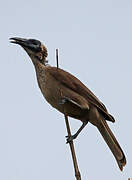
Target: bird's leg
{"x": 72, "y": 106}
{"x": 70, "y": 138}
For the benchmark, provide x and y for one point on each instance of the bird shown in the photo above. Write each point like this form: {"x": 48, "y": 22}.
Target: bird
{"x": 70, "y": 96}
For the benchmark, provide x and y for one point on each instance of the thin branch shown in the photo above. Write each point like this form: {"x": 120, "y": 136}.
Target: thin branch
{"x": 57, "y": 58}
{"x": 77, "y": 173}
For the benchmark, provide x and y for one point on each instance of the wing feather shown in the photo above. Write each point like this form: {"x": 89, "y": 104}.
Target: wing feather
{"x": 76, "y": 85}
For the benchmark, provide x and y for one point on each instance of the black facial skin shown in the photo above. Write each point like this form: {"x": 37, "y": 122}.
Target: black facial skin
{"x": 34, "y": 45}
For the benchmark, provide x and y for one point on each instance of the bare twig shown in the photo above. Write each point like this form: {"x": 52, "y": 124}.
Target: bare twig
{"x": 77, "y": 173}
{"x": 57, "y": 58}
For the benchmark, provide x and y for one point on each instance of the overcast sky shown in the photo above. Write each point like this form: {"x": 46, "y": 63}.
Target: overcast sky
{"x": 95, "y": 44}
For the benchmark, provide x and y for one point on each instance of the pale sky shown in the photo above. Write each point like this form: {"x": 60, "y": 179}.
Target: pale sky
{"x": 95, "y": 44}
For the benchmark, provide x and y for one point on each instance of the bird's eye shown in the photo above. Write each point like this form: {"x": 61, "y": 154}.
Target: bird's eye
{"x": 35, "y": 42}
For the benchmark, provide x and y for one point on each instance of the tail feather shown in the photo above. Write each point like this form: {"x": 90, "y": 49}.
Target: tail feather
{"x": 112, "y": 143}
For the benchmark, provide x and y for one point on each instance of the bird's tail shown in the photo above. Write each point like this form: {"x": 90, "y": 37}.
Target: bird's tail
{"x": 112, "y": 143}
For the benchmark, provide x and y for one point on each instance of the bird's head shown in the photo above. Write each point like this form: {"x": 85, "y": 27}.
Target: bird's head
{"x": 35, "y": 49}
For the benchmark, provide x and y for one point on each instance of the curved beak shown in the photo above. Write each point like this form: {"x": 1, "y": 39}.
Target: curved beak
{"x": 20, "y": 41}
{"x": 26, "y": 44}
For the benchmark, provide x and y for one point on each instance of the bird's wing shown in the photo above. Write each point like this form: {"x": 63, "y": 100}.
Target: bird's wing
{"x": 73, "y": 109}
{"x": 77, "y": 86}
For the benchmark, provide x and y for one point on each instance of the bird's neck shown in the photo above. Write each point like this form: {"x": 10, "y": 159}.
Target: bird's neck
{"x": 40, "y": 72}
{"x": 36, "y": 61}
{"x": 39, "y": 67}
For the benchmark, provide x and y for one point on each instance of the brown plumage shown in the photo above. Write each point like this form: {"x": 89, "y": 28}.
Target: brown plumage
{"x": 70, "y": 96}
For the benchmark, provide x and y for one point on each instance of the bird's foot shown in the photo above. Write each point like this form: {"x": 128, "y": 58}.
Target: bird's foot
{"x": 70, "y": 138}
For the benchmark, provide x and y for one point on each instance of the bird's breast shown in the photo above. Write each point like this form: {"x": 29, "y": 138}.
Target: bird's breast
{"x": 50, "y": 89}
